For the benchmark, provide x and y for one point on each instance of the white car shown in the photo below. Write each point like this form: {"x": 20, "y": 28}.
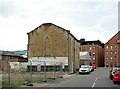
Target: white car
{"x": 84, "y": 69}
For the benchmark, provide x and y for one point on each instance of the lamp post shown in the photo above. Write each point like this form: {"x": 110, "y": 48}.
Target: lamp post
{"x": 9, "y": 71}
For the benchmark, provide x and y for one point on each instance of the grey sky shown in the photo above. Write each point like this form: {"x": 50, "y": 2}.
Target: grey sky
{"x": 92, "y": 20}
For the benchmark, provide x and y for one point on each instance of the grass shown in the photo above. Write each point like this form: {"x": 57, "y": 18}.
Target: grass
{"x": 19, "y": 79}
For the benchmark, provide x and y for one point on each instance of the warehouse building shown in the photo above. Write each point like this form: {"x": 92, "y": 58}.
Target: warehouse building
{"x": 95, "y": 50}
{"x": 52, "y": 44}
{"x": 112, "y": 51}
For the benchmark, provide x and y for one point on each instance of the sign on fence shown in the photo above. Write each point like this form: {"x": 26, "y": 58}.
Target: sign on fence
{"x": 38, "y": 67}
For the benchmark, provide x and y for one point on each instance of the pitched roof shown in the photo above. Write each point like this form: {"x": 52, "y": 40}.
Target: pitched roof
{"x": 50, "y": 24}
{"x": 113, "y": 37}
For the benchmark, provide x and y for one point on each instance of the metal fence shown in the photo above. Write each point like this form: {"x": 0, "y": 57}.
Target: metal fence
{"x": 42, "y": 72}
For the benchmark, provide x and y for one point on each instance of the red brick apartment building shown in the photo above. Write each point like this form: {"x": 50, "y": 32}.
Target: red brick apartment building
{"x": 95, "y": 49}
{"x": 112, "y": 51}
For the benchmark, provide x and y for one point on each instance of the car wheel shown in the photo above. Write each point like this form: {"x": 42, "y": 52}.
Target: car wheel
{"x": 114, "y": 82}
{"x": 88, "y": 72}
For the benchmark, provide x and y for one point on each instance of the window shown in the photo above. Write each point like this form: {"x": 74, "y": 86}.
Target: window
{"x": 115, "y": 53}
{"x": 93, "y": 48}
{"x": 90, "y": 53}
{"x": 111, "y": 58}
{"x": 84, "y": 49}
{"x": 106, "y": 64}
{"x": 107, "y": 58}
{"x": 106, "y": 47}
{"x": 111, "y": 64}
{"x": 118, "y": 41}
{"x": 111, "y": 47}
{"x": 111, "y": 52}
{"x": 90, "y": 48}
{"x": 115, "y": 64}
{"x": 93, "y": 58}
{"x": 115, "y": 48}
{"x": 106, "y": 53}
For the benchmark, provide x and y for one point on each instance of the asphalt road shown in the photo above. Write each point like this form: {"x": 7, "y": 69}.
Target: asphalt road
{"x": 97, "y": 78}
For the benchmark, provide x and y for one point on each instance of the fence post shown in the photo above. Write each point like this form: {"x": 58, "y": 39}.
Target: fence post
{"x": 9, "y": 72}
{"x": 30, "y": 71}
{"x": 61, "y": 70}
{"x": 30, "y": 83}
{"x": 45, "y": 80}
{"x": 54, "y": 70}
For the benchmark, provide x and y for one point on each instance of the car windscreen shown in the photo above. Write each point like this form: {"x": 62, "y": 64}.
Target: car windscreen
{"x": 114, "y": 70}
{"x": 118, "y": 71}
{"x": 84, "y": 67}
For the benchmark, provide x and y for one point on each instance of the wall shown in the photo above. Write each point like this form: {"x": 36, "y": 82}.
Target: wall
{"x": 73, "y": 54}
{"x": 49, "y": 41}
{"x": 96, "y": 52}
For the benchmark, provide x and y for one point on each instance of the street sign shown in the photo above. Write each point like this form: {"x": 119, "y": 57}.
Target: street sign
{"x": 38, "y": 67}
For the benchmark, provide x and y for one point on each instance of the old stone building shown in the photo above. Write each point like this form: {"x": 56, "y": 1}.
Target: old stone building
{"x": 51, "y": 43}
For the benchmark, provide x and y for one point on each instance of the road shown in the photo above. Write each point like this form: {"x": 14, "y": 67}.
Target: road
{"x": 97, "y": 78}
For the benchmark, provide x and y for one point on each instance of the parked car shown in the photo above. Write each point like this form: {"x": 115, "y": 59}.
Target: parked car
{"x": 116, "y": 76}
{"x": 94, "y": 65}
{"x": 91, "y": 68}
{"x": 84, "y": 69}
{"x": 112, "y": 71}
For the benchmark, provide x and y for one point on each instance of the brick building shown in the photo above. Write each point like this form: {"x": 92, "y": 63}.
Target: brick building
{"x": 51, "y": 43}
{"x": 95, "y": 49}
{"x": 9, "y": 59}
{"x": 112, "y": 51}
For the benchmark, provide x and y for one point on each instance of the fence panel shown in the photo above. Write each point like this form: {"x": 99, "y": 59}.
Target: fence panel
{"x": 19, "y": 74}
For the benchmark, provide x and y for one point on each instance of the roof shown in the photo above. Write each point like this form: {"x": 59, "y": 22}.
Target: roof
{"x": 14, "y": 54}
{"x": 10, "y": 54}
{"x": 20, "y": 52}
{"x": 84, "y": 56}
{"x": 113, "y": 37}
{"x": 50, "y": 24}
{"x": 98, "y": 42}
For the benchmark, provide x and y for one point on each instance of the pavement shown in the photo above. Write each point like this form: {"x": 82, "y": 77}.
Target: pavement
{"x": 97, "y": 78}
{"x": 51, "y": 82}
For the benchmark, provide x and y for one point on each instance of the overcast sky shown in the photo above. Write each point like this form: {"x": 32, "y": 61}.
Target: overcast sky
{"x": 89, "y": 19}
